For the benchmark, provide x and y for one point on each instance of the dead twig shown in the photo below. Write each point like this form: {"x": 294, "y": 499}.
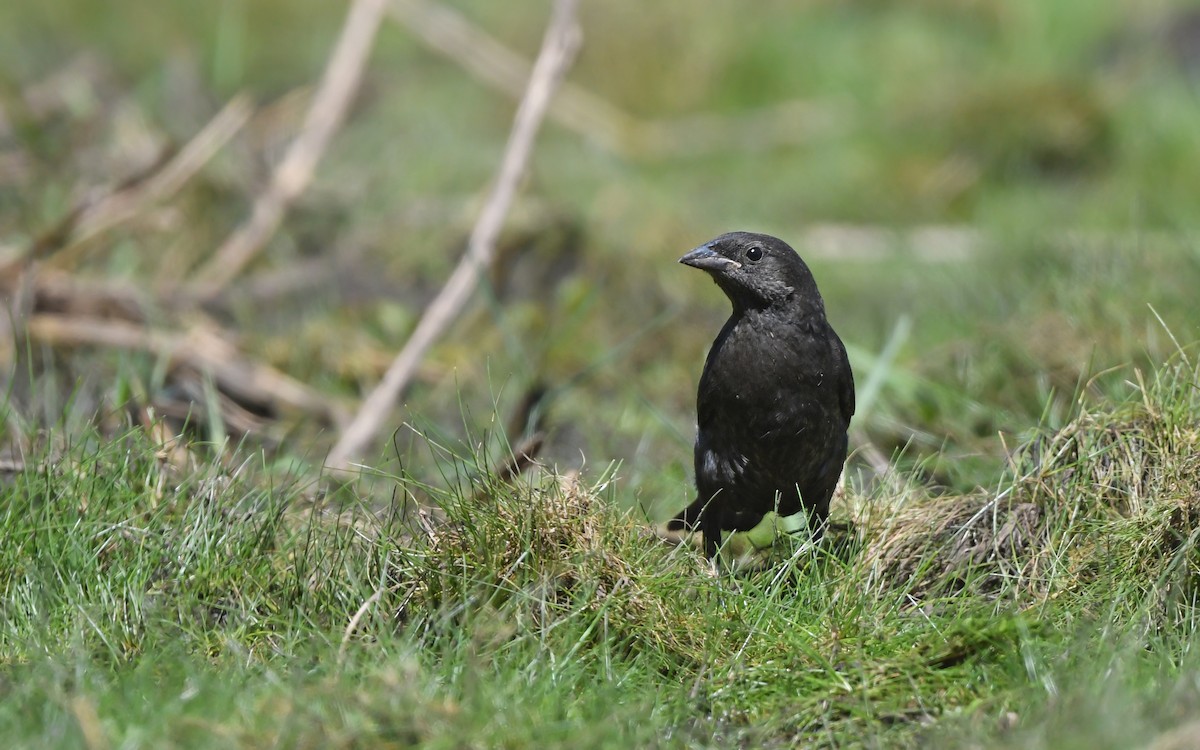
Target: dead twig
{"x": 449, "y": 33}
{"x": 294, "y": 173}
{"x": 558, "y": 50}
{"x": 123, "y": 205}
{"x": 61, "y": 292}
{"x": 54, "y": 291}
{"x": 199, "y": 348}
{"x": 91, "y": 218}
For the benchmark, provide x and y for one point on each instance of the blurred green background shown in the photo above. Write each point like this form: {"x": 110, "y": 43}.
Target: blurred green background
{"x": 998, "y": 199}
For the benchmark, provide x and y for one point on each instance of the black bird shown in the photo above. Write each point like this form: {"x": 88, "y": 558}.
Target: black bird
{"x": 776, "y": 394}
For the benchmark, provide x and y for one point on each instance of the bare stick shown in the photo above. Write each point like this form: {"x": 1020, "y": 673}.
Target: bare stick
{"x": 558, "y": 50}
{"x": 125, "y": 204}
{"x": 199, "y": 347}
{"x": 88, "y": 219}
{"x": 295, "y": 172}
{"x": 449, "y": 33}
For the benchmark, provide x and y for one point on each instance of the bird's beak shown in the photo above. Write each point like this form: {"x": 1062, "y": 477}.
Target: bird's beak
{"x": 707, "y": 259}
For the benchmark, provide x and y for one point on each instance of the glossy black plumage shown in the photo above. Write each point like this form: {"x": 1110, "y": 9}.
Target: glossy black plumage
{"x": 775, "y": 397}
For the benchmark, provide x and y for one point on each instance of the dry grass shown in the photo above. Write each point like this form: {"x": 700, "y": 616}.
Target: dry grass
{"x": 1116, "y": 485}
{"x": 549, "y": 546}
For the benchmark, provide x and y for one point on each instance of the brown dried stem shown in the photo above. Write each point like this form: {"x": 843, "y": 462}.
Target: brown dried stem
{"x": 123, "y": 205}
{"x": 88, "y": 219}
{"x": 449, "y": 33}
{"x": 294, "y": 173}
{"x": 557, "y": 53}
{"x": 200, "y": 348}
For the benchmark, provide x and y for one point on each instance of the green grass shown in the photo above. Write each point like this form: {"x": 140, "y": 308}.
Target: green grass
{"x": 1024, "y": 575}
{"x": 214, "y": 607}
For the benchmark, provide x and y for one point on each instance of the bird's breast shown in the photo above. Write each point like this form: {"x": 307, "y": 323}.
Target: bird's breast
{"x": 767, "y": 374}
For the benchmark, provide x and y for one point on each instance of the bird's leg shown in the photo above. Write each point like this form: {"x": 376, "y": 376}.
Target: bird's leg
{"x": 711, "y": 528}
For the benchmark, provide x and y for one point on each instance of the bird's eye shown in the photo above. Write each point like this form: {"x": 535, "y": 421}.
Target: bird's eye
{"x": 755, "y": 253}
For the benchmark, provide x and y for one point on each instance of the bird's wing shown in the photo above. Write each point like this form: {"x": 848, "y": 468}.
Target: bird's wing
{"x": 846, "y": 394}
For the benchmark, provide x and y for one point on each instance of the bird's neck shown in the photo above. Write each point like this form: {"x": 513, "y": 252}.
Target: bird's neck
{"x": 794, "y": 308}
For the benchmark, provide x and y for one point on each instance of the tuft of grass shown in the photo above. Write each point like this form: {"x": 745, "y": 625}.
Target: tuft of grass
{"x": 1110, "y": 496}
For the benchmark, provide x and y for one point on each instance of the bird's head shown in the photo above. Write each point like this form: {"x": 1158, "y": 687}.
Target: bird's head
{"x": 757, "y": 271}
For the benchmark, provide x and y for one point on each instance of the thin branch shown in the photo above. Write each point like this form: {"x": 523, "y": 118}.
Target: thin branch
{"x": 558, "y": 50}
{"x": 175, "y": 173}
{"x": 451, "y": 34}
{"x": 200, "y": 348}
{"x": 294, "y": 173}
{"x": 448, "y": 32}
{"x": 90, "y": 218}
